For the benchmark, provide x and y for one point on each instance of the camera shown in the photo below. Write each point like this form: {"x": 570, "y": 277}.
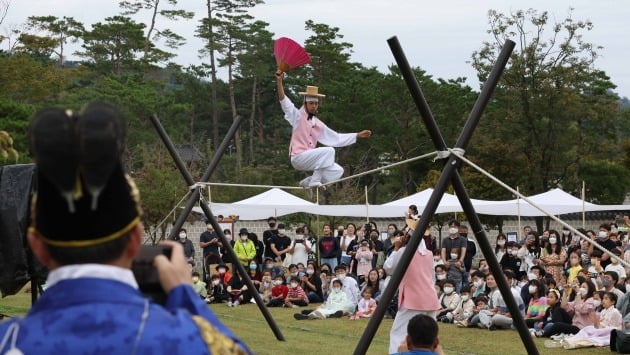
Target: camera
{"x": 146, "y": 274}
{"x": 299, "y": 240}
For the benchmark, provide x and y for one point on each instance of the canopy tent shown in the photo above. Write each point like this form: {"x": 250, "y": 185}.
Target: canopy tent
{"x": 276, "y": 202}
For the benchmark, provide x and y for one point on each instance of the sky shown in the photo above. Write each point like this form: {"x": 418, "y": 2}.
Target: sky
{"x": 437, "y": 36}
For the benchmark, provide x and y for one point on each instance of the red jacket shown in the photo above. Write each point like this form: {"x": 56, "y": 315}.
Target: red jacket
{"x": 281, "y": 290}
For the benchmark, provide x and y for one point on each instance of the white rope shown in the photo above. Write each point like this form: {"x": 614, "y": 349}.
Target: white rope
{"x": 173, "y": 210}
{"x": 381, "y": 168}
{"x": 251, "y": 185}
{"x": 507, "y": 187}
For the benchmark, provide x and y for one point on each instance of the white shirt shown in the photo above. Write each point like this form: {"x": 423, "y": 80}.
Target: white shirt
{"x": 327, "y": 137}
{"x": 99, "y": 271}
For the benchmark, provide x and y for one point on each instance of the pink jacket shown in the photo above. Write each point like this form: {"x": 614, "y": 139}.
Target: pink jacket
{"x": 582, "y": 312}
{"x": 305, "y": 135}
{"x": 416, "y": 288}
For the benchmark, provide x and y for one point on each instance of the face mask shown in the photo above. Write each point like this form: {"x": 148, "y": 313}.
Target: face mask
{"x": 341, "y": 277}
{"x": 602, "y": 234}
{"x": 310, "y": 271}
{"x": 583, "y": 291}
{"x": 268, "y": 266}
{"x": 597, "y": 303}
{"x": 531, "y": 276}
{"x": 453, "y": 255}
{"x": 277, "y": 282}
{"x": 221, "y": 271}
{"x": 244, "y": 238}
{"x": 510, "y": 252}
{"x": 501, "y": 243}
{"x": 182, "y": 235}
{"x": 485, "y": 268}
{"x": 532, "y": 289}
{"x": 272, "y": 225}
{"x": 195, "y": 279}
{"x": 440, "y": 276}
{"x": 553, "y": 240}
{"x": 253, "y": 266}
{"x": 336, "y": 289}
{"x": 566, "y": 232}
{"x": 294, "y": 274}
{"x": 478, "y": 283}
{"x": 448, "y": 290}
{"x": 436, "y": 259}
{"x": 215, "y": 282}
{"x": 294, "y": 285}
{"x": 452, "y": 231}
{"x": 281, "y": 231}
{"x": 544, "y": 239}
{"x": 465, "y": 298}
{"x": 606, "y": 283}
{"x": 209, "y": 226}
{"x": 522, "y": 283}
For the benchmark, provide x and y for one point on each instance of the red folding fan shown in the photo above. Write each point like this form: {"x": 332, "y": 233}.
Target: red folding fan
{"x": 289, "y": 54}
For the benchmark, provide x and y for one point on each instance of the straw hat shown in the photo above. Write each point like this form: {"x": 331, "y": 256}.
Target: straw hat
{"x": 312, "y": 91}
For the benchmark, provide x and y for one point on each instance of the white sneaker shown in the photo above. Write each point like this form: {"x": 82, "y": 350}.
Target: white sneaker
{"x": 314, "y": 184}
{"x": 230, "y": 304}
{"x": 236, "y": 303}
{"x": 305, "y": 182}
{"x": 295, "y": 306}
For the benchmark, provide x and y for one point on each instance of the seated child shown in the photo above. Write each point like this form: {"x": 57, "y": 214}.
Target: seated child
{"x": 553, "y": 314}
{"x": 465, "y": 308}
{"x": 265, "y": 286}
{"x": 296, "y": 296}
{"x": 449, "y": 300}
{"x": 599, "y": 333}
{"x": 481, "y": 306}
{"x": 199, "y": 286}
{"x": 334, "y": 307}
{"x": 367, "y": 305}
{"x": 217, "y": 293}
{"x": 278, "y": 292}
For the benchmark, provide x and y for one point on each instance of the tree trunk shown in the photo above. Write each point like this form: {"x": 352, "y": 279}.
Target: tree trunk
{"x": 237, "y": 136}
{"x": 252, "y": 117}
{"x": 151, "y": 28}
{"x": 213, "y": 86}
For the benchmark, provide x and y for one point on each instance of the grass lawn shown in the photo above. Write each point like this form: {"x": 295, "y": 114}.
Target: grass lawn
{"x": 338, "y": 336}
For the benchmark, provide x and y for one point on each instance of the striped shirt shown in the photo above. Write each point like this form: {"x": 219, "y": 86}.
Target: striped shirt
{"x": 297, "y": 292}
{"x": 537, "y": 307}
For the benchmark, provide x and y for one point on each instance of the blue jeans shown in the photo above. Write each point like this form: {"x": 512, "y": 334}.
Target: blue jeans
{"x": 330, "y": 261}
{"x": 346, "y": 260}
{"x": 314, "y": 298}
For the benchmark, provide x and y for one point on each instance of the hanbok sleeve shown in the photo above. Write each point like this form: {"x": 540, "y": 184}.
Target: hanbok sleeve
{"x": 291, "y": 113}
{"x": 331, "y": 138}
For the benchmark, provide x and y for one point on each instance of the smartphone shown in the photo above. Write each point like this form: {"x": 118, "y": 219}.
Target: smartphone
{"x": 146, "y": 274}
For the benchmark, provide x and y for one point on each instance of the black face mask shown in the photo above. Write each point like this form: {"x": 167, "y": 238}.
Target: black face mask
{"x": 465, "y": 235}
{"x": 272, "y": 225}
{"x": 340, "y": 233}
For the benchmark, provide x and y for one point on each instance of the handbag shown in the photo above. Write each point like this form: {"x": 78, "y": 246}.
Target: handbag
{"x": 620, "y": 341}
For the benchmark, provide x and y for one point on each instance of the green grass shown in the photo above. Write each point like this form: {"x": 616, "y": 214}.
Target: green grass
{"x": 338, "y": 336}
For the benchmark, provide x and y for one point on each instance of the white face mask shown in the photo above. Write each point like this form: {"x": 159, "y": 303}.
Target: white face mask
{"x": 602, "y": 234}
{"x": 583, "y": 291}
{"x": 452, "y": 231}
{"x": 464, "y": 298}
{"x": 221, "y": 271}
{"x": 281, "y": 231}
{"x": 566, "y": 232}
{"x": 597, "y": 303}
{"x": 531, "y": 276}
{"x": 553, "y": 240}
{"x": 453, "y": 256}
{"x": 448, "y": 290}
{"x": 310, "y": 271}
{"x": 244, "y": 238}
{"x": 478, "y": 283}
{"x": 510, "y": 252}
{"x": 501, "y": 243}
{"x": 215, "y": 282}
{"x": 294, "y": 285}
{"x": 336, "y": 289}
{"x": 532, "y": 289}
{"x": 182, "y": 235}
{"x": 440, "y": 276}
{"x": 341, "y": 277}
{"x": 277, "y": 282}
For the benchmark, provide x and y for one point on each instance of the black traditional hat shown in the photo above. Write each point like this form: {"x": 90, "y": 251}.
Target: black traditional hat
{"x": 83, "y": 219}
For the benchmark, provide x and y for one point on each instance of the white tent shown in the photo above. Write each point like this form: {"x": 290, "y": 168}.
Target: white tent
{"x": 448, "y": 203}
{"x": 274, "y": 202}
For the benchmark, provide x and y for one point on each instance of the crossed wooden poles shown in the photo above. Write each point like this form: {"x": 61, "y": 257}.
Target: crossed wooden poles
{"x": 449, "y": 174}
{"x": 194, "y": 198}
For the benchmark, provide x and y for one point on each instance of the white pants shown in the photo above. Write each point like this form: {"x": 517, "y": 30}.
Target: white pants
{"x": 321, "y": 161}
{"x": 399, "y": 328}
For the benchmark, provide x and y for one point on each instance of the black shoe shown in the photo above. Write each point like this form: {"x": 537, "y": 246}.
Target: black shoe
{"x": 492, "y": 327}
{"x": 300, "y": 316}
{"x": 337, "y": 314}
{"x": 306, "y": 311}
